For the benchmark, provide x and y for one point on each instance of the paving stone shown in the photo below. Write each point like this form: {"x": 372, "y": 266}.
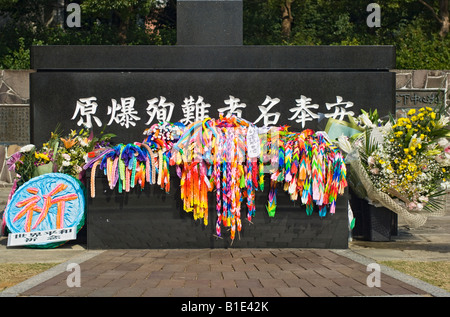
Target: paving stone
{"x": 209, "y": 275}
{"x": 369, "y": 291}
{"x": 223, "y": 283}
{"x": 282, "y": 275}
{"x": 52, "y": 290}
{"x": 130, "y": 292}
{"x": 318, "y": 292}
{"x": 146, "y": 283}
{"x": 272, "y": 283}
{"x": 78, "y": 291}
{"x": 290, "y": 292}
{"x": 248, "y": 283}
{"x": 343, "y": 291}
{"x": 173, "y": 267}
{"x": 119, "y": 273}
{"x": 157, "y": 292}
{"x": 137, "y": 275}
{"x": 259, "y": 275}
{"x": 211, "y": 292}
{"x": 297, "y": 282}
{"x": 184, "y": 292}
{"x": 267, "y": 267}
{"x": 184, "y": 276}
{"x": 264, "y": 292}
{"x": 170, "y": 283}
{"x": 244, "y": 267}
{"x": 198, "y": 283}
{"x": 104, "y": 292}
{"x": 237, "y": 292}
{"x": 234, "y": 275}
{"x": 96, "y": 282}
{"x": 221, "y": 268}
{"x": 160, "y": 275}
{"x": 198, "y": 268}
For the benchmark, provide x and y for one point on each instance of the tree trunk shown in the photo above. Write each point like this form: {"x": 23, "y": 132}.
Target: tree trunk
{"x": 442, "y": 17}
{"x": 445, "y": 23}
{"x": 286, "y": 18}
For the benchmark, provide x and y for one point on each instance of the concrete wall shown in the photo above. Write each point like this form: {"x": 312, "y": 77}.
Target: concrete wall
{"x": 14, "y": 107}
{"x": 14, "y": 116}
{"x": 416, "y": 88}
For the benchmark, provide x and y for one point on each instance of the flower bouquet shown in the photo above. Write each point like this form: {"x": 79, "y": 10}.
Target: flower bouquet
{"x": 402, "y": 164}
{"x": 72, "y": 154}
{"x": 64, "y": 155}
{"x": 30, "y": 162}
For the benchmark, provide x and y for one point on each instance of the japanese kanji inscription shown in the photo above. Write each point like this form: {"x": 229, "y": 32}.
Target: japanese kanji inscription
{"x": 159, "y": 110}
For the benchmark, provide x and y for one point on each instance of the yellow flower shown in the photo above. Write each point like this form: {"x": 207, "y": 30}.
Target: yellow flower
{"x": 41, "y": 156}
{"x": 428, "y": 108}
{"x": 411, "y": 112}
{"x": 414, "y": 118}
{"x": 406, "y": 151}
{"x": 433, "y": 115}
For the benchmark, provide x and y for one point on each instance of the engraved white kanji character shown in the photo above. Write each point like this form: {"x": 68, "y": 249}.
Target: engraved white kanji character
{"x": 194, "y": 110}
{"x": 303, "y": 112}
{"x": 265, "y": 115}
{"x": 232, "y": 109}
{"x": 339, "y": 112}
{"x": 123, "y": 113}
{"x": 163, "y": 110}
{"x": 86, "y": 108}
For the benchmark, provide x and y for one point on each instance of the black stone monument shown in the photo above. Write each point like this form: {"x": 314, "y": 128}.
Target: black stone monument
{"x": 207, "y": 72}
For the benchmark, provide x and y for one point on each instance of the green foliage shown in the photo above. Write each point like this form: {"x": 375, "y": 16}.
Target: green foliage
{"x": 103, "y": 22}
{"x": 407, "y": 24}
{"x": 19, "y": 59}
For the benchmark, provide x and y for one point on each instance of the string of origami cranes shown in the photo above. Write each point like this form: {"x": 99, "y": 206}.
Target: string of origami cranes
{"x": 229, "y": 155}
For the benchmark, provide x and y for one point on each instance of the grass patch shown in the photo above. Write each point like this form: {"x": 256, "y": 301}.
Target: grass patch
{"x": 434, "y": 273}
{"x": 15, "y": 273}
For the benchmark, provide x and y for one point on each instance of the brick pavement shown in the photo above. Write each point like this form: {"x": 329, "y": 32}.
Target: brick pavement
{"x": 222, "y": 273}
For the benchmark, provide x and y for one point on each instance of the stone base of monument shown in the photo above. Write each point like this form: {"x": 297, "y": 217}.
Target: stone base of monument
{"x": 373, "y": 223}
{"x": 153, "y": 219}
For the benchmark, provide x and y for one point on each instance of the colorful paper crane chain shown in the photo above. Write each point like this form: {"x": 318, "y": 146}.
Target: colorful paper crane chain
{"x": 214, "y": 154}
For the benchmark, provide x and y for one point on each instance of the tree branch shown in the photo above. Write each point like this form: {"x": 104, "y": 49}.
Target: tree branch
{"x": 432, "y": 10}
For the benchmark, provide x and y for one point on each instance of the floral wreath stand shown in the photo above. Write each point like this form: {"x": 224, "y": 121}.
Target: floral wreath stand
{"x": 413, "y": 219}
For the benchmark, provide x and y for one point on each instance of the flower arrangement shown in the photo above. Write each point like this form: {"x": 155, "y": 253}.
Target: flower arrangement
{"x": 60, "y": 154}
{"x": 72, "y": 153}
{"x": 407, "y": 158}
{"x": 28, "y": 162}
